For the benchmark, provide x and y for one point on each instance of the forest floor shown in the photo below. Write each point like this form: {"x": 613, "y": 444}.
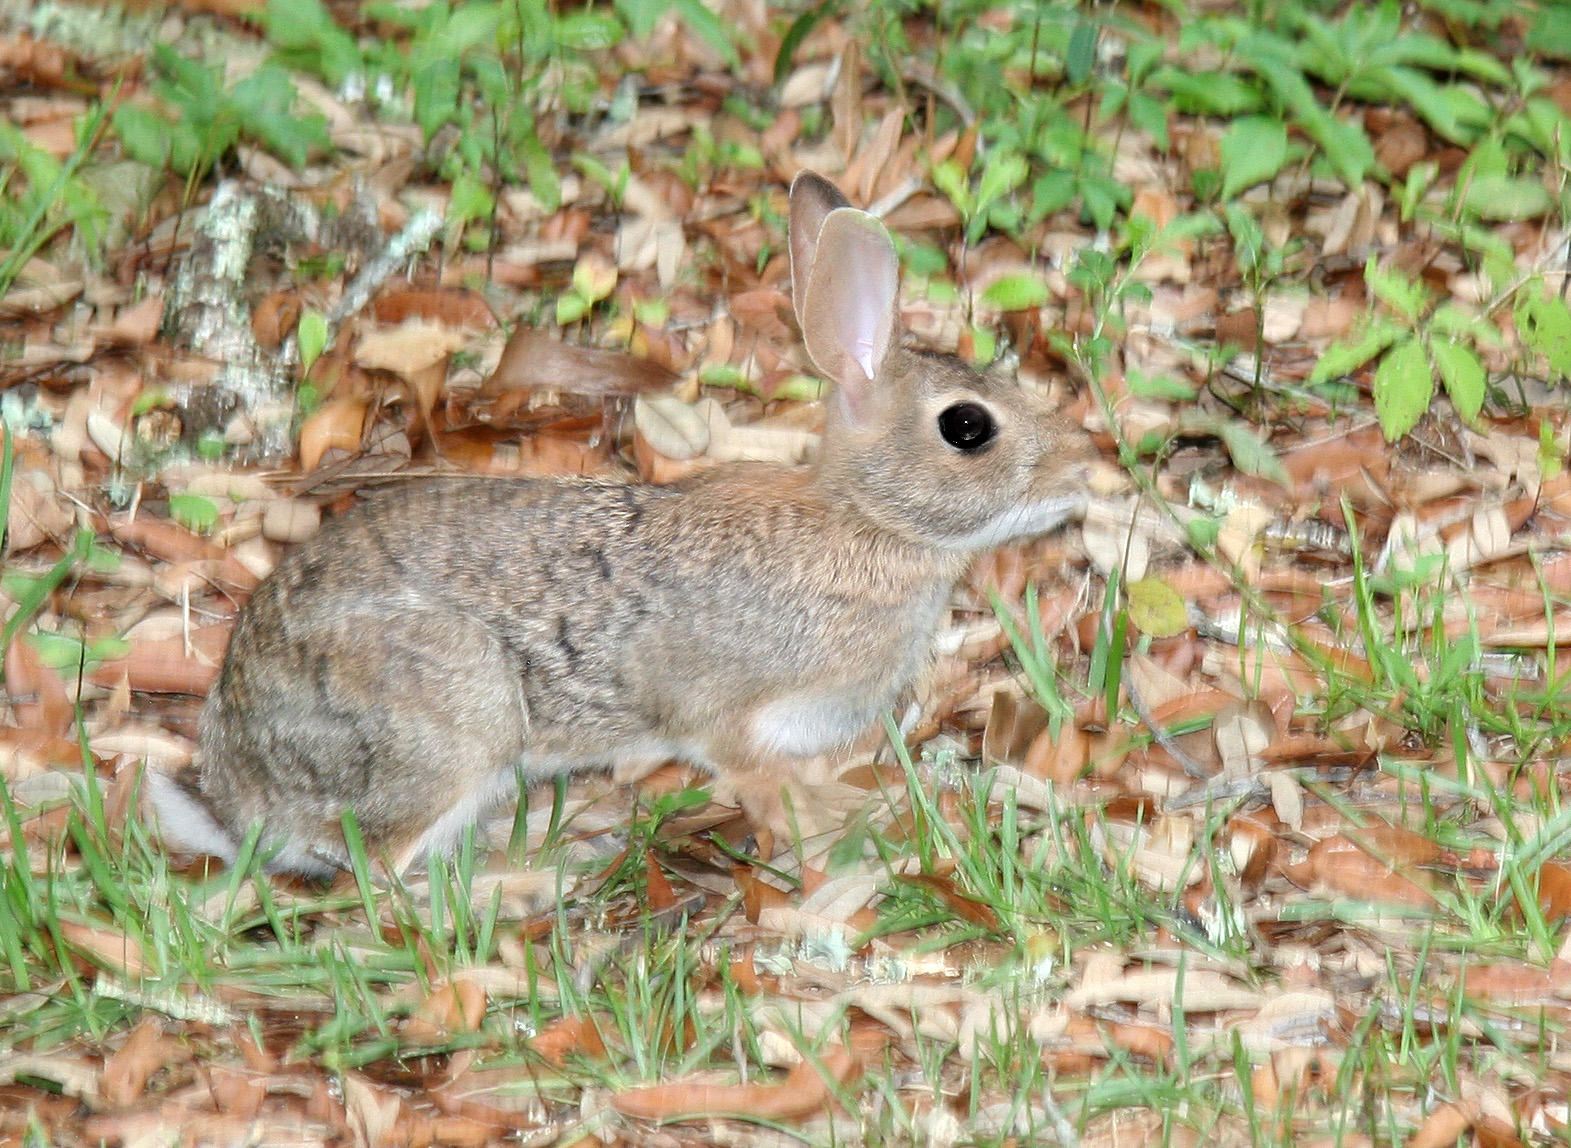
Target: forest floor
{"x": 1233, "y": 814}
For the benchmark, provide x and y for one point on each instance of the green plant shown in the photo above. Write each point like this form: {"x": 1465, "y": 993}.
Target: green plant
{"x": 40, "y": 197}
{"x": 201, "y": 120}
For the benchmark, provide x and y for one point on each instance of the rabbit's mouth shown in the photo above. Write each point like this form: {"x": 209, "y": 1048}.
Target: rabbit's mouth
{"x": 1038, "y": 517}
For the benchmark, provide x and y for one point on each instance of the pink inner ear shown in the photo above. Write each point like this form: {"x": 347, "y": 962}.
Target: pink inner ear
{"x": 812, "y": 199}
{"x": 848, "y": 310}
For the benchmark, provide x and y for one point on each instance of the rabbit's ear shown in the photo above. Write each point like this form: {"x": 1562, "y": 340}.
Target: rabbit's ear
{"x": 848, "y": 305}
{"x": 812, "y": 199}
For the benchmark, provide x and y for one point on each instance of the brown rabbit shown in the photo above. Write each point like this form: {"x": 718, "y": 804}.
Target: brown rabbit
{"x": 435, "y": 644}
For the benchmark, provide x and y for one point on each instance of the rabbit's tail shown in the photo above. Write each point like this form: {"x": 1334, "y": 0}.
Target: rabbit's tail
{"x": 185, "y": 822}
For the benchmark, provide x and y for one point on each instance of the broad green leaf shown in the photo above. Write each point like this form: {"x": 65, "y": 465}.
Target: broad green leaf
{"x": 310, "y": 337}
{"x": 1549, "y": 31}
{"x": 1345, "y": 145}
{"x": 984, "y": 345}
{"x": 1100, "y": 199}
{"x": 950, "y": 179}
{"x": 1506, "y": 197}
{"x": 1551, "y": 459}
{"x": 1081, "y": 56}
{"x": 1404, "y": 387}
{"x": 1148, "y": 114}
{"x": 570, "y": 307}
{"x": 1250, "y": 453}
{"x": 784, "y": 56}
{"x": 1344, "y": 356}
{"x": 1348, "y": 149}
{"x": 147, "y": 138}
{"x": 195, "y": 512}
{"x": 1409, "y": 85}
{"x": 1001, "y": 174}
{"x": 1482, "y": 66}
{"x": 588, "y": 31}
{"x": 1203, "y": 532}
{"x": 64, "y": 653}
{"x": 103, "y": 559}
{"x": 1544, "y": 323}
{"x": 1208, "y": 93}
{"x": 1407, "y": 297}
{"x": 1253, "y": 150}
{"x": 466, "y": 26}
{"x": 265, "y": 102}
{"x": 1542, "y": 124}
{"x": 1015, "y": 292}
{"x": 544, "y": 182}
{"x": 1156, "y": 608}
{"x": 716, "y": 32}
{"x": 305, "y": 35}
{"x": 1161, "y": 387}
{"x": 468, "y": 199}
{"x": 1463, "y": 376}
{"x": 1420, "y": 178}
{"x": 1459, "y": 321}
{"x": 594, "y": 279}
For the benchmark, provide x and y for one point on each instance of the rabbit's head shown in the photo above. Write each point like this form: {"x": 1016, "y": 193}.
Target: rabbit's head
{"x": 923, "y": 445}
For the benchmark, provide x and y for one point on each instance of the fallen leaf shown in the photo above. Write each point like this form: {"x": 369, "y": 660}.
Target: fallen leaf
{"x": 807, "y": 1090}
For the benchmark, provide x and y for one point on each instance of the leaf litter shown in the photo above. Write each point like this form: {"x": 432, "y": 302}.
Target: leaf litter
{"x": 1346, "y": 868}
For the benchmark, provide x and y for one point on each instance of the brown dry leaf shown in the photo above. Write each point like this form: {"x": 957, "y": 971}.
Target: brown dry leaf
{"x": 451, "y": 1008}
{"x": 373, "y": 1112}
{"x": 1513, "y": 982}
{"x": 533, "y": 360}
{"x": 1493, "y": 1132}
{"x": 1241, "y": 733}
{"x": 338, "y": 424}
{"x": 137, "y": 324}
{"x": 805, "y": 1091}
{"x": 1376, "y": 863}
{"x": 409, "y": 348}
{"x": 671, "y": 427}
{"x": 1014, "y": 724}
{"x": 756, "y": 894}
{"x": 1441, "y": 1127}
{"x": 180, "y": 664}
{"x": 77, "y": 1076}
{"x": 1060, "y": 761}
{"x": 133, "y": 1064}
{"x": 38, "y": 511}
{"x": 426, "y": 386}
{"x": 274, "y": 318}
{"x": 1253, "y": 846}
{"x": 1554, "y": 890}
{"x": 659, "y": 896}
{"x": 41, "y": 703}
{"x": 569, "y": 1034}
{"x": 26, "y": 753}
{"x": 238, "y": 1092}
{"x": 291, "y": 520}
{"x": 1202, "y": 989}
{"x": 447, "y": 308}
{"x": 964, "y": 906}
{"x": 106, "y": 948}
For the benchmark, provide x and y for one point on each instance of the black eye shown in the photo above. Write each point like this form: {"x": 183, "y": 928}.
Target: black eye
{"x": 967, "y": 426}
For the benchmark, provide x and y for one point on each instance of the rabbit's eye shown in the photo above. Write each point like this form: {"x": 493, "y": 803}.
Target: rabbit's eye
{"x": 967, "y": 426}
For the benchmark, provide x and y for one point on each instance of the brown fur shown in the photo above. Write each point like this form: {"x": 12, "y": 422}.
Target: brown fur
{"x": 438, "y": 641}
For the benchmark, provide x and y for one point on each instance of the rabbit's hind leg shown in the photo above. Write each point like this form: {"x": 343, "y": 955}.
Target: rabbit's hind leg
{"x": 412, "y": 720}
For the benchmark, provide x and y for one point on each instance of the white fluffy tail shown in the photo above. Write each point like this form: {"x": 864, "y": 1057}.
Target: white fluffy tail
{"x": 185, "y": 823}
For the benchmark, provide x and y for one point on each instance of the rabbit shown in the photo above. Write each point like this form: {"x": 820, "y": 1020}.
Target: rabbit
{"x": 434, "y": 645}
